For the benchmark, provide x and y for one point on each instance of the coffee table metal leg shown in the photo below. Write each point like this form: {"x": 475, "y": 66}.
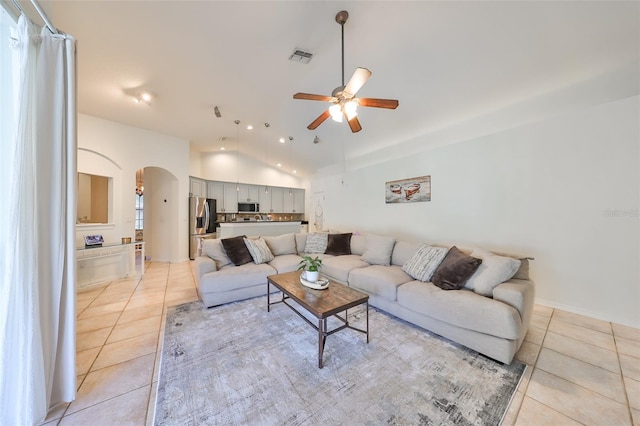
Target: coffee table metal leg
{"x": 320, "y": 341}
{"x": 367, "y": 321}
{"x": 268, "y": 298}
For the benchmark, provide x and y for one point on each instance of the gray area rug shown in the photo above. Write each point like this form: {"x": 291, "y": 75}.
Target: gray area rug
{"x": 239, "y": 364}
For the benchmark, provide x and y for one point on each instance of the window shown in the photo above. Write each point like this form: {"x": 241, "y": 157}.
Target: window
{"x": 139, "y": 212}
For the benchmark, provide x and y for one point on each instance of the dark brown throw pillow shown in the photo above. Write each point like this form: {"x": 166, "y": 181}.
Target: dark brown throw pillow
{"x": 454, "y": 270}
{"x": 237, "y": 250}
{"x": 338, "y": 244}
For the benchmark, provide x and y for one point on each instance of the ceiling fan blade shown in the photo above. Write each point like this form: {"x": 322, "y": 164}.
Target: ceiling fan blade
{"x": 318, "y": 121}
{"x": 358, "y": 79}
{"x": 312, "y": 97}
{"x": 354, "y": 123}
{"x": 378, "y": 103}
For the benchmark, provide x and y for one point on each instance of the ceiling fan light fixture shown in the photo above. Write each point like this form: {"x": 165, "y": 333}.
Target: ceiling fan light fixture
{"x": 336, "y": 112}
{"x": 350, "y": 109}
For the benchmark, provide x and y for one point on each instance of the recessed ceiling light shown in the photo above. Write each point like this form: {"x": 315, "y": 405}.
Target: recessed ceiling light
{"x": 145, "y": 96}
{"x": 295, "y": 171}
{"x": 222, "y": 148}
{"x": 281, "y": 140}
{"x": 249, "y": 127}
{"x": 279, "y": 165}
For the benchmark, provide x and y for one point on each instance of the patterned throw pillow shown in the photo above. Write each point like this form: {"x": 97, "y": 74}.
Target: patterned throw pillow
{"x": 259, "y": 250}
{"x": 424, "y": 262}
{"x": 316, "y": 243}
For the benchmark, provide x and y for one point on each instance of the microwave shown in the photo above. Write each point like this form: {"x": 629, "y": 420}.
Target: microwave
{"x": 248, "y": 207}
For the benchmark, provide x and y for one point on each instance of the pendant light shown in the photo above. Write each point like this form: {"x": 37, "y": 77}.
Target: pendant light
{"x": 290, "y": 159}
{"x": 237, "y": 155}
{"x": 266, "y": 157}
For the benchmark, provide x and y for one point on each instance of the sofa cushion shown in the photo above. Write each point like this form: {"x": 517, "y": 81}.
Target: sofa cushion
{"x": 259, "y": 250}
{"x": 402, "y": 251}
{"x": 380, "y": 280}
{"x": 424, "y": 262}
{"x": 285, "y": 263}
{"x": 379, "y": 249}
{"x": 281, "y": 244}
{"x": 358, "y": 243}
{"x": 462, "y": 308}
{"x": 301, "y": 241}
{"x": 338, "y": 244}
{"x": 455, "y": 269}
{"x": 234, "y": 277}
{"x": 316, "y": 243}
{"x": 213, "y": 248}
{"x": 338, "y": 267}
{"x": 237, "y": 250}
{"x": 493, "y": 271}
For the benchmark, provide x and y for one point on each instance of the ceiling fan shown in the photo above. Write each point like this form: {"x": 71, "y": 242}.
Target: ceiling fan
{"x": 345, "y": 103}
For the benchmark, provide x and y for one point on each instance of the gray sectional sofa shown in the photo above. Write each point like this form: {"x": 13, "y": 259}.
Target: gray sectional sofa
{"x": 494, "y": 324}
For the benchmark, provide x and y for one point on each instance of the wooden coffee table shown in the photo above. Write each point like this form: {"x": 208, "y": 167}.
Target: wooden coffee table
{"x": 322, "y": 304}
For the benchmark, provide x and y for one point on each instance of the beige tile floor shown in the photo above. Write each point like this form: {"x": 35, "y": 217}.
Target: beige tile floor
{"x": 584, "y": 371}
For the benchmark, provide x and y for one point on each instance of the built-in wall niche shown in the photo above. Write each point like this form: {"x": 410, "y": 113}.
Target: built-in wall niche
{"x": 93, "y": 198}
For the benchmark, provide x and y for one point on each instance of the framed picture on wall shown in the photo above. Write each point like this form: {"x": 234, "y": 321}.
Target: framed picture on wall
{"x": 411, "y": 190}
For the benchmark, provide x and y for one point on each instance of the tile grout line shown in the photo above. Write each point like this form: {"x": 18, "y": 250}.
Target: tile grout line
{"x": 534, "y": 366}
{"x": 153, "y": 370}
{"x": 624, "y": 384}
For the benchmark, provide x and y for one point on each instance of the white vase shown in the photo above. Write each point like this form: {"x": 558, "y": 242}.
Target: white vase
{"x": 312, "y": 276}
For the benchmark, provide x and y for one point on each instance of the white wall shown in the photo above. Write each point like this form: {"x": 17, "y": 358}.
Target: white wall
{"x": 563, "y": 189}
{"x": 111, "y": 149}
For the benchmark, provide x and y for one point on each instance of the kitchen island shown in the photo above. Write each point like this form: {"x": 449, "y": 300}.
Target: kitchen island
{"x": 257, "y": 228}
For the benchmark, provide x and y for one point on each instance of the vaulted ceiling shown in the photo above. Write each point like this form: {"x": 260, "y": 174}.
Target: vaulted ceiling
{"x": 444, "y": 61}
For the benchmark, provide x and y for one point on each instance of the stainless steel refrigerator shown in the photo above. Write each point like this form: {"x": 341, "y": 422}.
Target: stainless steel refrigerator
{"x": 202, "y": 224}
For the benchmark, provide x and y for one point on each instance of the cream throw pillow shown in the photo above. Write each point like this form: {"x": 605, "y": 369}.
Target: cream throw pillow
{"x": 213, "y": 248}
{"x": 494, "y": 270}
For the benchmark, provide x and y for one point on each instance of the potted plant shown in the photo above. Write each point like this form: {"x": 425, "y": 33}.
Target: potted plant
{"x": 311, "y": 268}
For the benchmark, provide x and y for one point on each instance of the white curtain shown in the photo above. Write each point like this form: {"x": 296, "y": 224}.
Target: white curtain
{"x": 37, "y": 293}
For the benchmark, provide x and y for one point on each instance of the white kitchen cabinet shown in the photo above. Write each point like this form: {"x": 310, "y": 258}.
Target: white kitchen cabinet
{"x": 265, "y": 200}
{"x": 293, "y": 201}
{"x": 277, "y": 199}
{"x": 215, "y": 190}
{"x": 298, "y": 201}
{"x": 248, "y": 193}
{"x": 197, "y": 187}
{"x": 287, "y": 201}
{"x": 230, "y": 198}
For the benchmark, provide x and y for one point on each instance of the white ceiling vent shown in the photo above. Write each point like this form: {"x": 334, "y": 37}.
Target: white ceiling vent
{"x": 301, "y": 56}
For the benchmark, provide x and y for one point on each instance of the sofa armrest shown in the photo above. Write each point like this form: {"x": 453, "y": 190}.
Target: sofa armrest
{"x": 204, "y": 265}
{"x": 520, "y": 294}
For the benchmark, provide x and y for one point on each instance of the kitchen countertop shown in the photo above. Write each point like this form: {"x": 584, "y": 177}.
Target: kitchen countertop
{"x": 278, "y": 227}
{"x": 261, "y": 221}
